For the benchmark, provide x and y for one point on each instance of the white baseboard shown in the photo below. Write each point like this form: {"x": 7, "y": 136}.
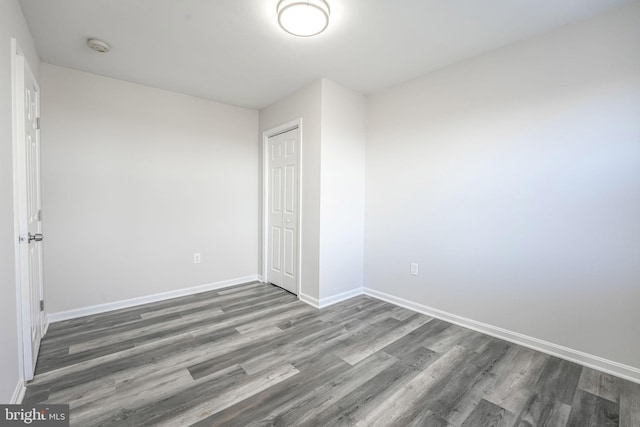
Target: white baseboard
{"x": 117, "y": 305}
{"x": 333, "y": 299}
{"x": 614, "y": 368}
{"x": 47, "y": 322}
{"x": 18, "y": 393}
{"x": 260, "y": 278}
{"x": 309, "y": 300}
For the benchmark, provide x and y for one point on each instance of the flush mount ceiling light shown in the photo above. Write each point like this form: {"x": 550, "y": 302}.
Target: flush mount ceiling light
{"x": 303, "y": 18}
{"x": 98, "y": 45}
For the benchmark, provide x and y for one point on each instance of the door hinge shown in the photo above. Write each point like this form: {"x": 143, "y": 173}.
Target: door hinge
{"x": 37, "y": 122}
{"x": 41, "y": 305}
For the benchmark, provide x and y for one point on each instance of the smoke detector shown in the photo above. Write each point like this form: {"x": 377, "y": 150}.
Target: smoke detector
{"x": 98, "y": 45}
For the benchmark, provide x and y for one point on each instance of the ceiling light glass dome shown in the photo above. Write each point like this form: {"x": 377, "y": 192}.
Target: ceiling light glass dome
{"x": 303, "y": 18}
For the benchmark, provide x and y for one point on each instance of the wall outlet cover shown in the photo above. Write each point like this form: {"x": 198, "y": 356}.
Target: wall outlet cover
{"x": 414, "y": 269}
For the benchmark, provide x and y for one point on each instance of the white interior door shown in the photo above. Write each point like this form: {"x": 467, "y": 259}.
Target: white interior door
{"x": 282, "y": 221}
{"x": 29, "y": 211}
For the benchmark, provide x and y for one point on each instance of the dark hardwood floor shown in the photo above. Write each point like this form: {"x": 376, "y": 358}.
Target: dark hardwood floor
{"x": 255, "y": 355}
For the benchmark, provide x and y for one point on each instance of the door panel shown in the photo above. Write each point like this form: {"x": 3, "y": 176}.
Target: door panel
{"x": 276, "y": 249}
{"x": 290, "y": 189}
{"x": 283, "y": 210}
{"x": 29, "y": 212}
{"x": 289, "y": 252}
{"x": 276, "y": 190}
{"x": 291, "y": 148}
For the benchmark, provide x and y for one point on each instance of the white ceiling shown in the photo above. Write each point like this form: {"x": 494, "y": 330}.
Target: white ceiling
{"x": 233, "y": 50}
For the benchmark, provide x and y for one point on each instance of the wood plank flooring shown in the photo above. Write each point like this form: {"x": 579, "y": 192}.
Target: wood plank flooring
{"x": 253, "y": 355}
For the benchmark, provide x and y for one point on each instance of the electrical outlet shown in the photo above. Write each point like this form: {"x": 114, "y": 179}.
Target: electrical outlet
{"x": 414, "y": 269}
{"x": 196, "y": 258}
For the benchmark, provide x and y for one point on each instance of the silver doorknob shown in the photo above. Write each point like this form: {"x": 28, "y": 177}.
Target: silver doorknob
{"x": 37, "y": 237}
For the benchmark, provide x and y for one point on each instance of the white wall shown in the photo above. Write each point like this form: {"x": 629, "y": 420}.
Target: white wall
{"x": 136, "y": 180}
{"x": 342, "y": 190}
{"x": 12, "y": 24}
{"x": 304, "y": 104}
{"x": 513, "y": 179}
